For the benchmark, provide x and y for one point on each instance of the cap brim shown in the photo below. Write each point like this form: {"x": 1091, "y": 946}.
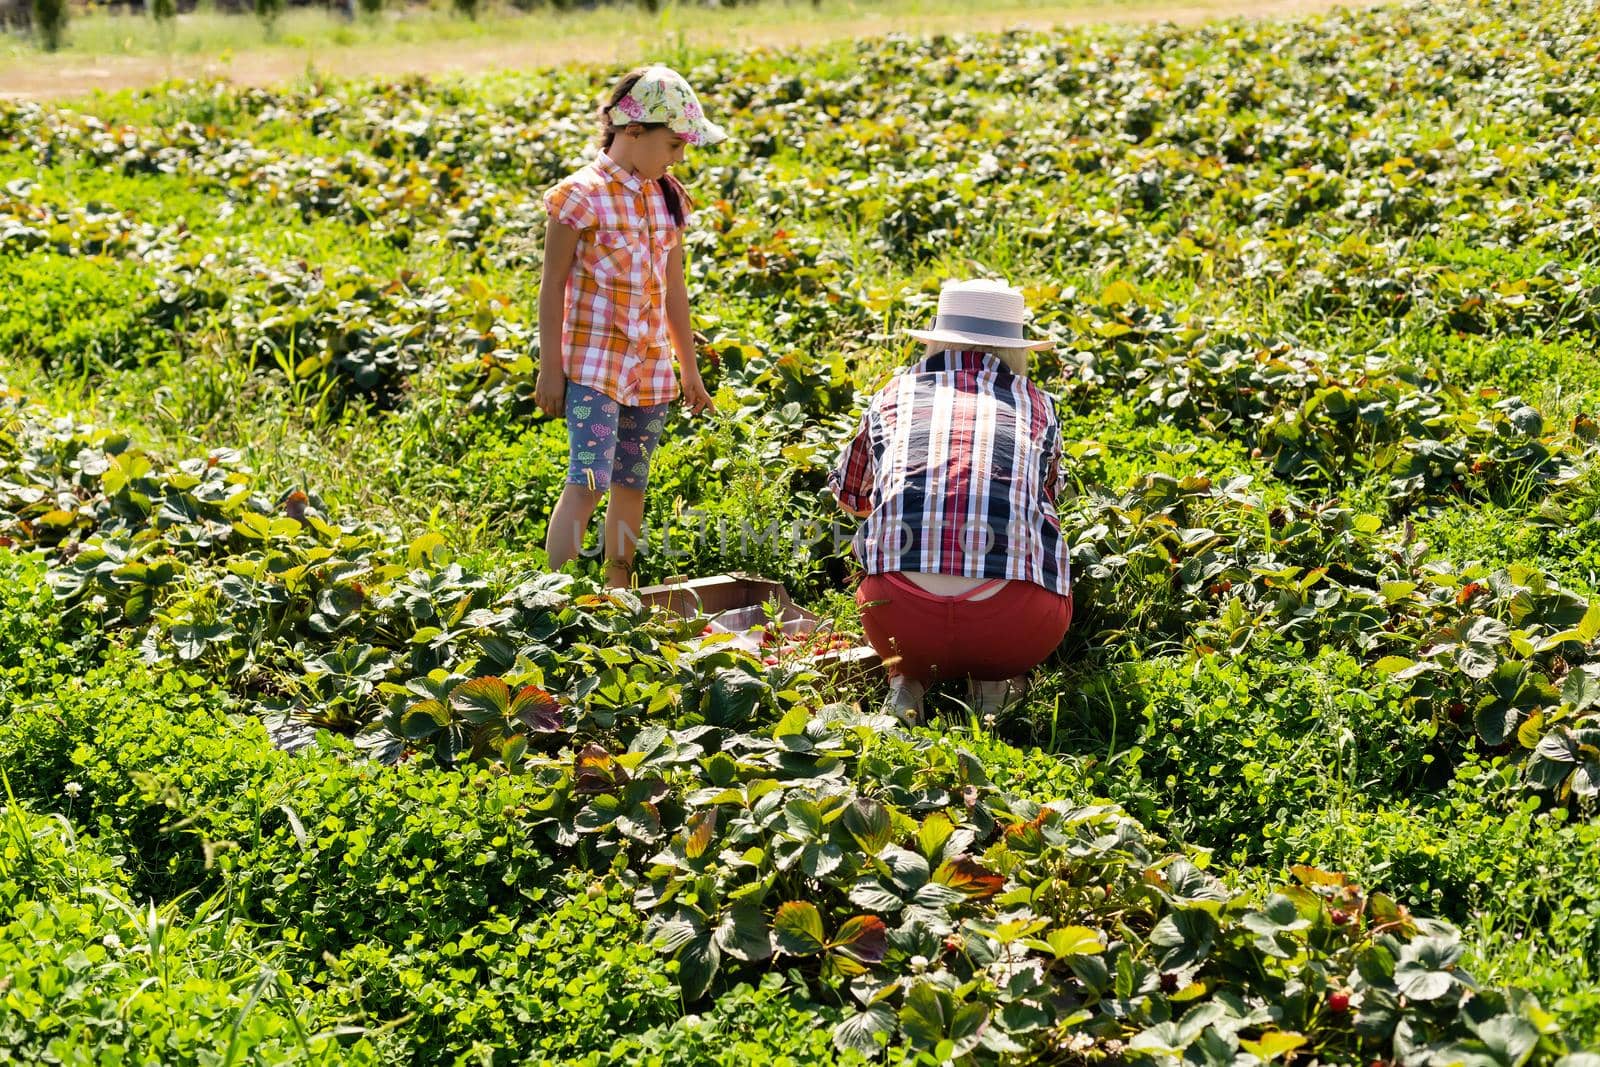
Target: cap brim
{"x": 955, "y": 337}
{"x": 710, "y": 133}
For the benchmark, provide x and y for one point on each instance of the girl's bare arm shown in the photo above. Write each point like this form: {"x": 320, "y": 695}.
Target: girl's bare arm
{"x": 560, "y": 248}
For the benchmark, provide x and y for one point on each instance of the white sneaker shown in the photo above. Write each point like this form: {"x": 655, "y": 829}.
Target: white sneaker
{"x": 905, "y": 699}
{"x": 990, "y": 698}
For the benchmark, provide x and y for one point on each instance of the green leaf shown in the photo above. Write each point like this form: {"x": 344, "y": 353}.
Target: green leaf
{"x": 1531, "y": 731}
{"x": 870, "y": 824}
{"x": 798, "y": 925}
{"x": 1118, "y": 293}
{"x": 428, "y": 548}
{"x": 733, "y": 697}
{"x": 1579, "y": 1059}
{"x": 867, "y": 1032}
{"x": 1187, "y": 885}
{"x": 1495, "y": 720}
{"x": 1581, "y": 688}
{"x": 793, "y": 723}
{"x": 1393, "y": 592}
{"x": 821, "y": 860}
{"x": 742, "y": 933}
{"x": 423, "y": 719}
{"x": 926, "y": 1015}
{"x": 1272, "y": 1044}
{"x": 935, "y": 830}
{"x": 191, "y": 640}
{"x": 721, "y": 769}
{"x": 698, "y": 962}
{"x": 1508, "y": 1039}
{"x": 481, "y": 700}
{"x": 1073, "y": 941}
{"x": 873, "y": 895}
{"x": 1164, "y": 1039}
{"x": 1589, "y": 625}
{"x": 1183, "y": 938}
{"x": 1423, "y": 972}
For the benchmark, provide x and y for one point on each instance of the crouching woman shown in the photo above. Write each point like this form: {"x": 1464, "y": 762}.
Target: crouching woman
{"x": 956, "y": 469}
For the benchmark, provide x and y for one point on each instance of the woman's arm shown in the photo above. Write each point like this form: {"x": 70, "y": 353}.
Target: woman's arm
{"x": 560, "y": 248}
{"x": 681, "y": 330}
{"x": 850, "y": 481}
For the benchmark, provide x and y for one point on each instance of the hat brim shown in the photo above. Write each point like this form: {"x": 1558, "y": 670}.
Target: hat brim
{"x": 708, "y": 132}
{"x": 957, "y": 337}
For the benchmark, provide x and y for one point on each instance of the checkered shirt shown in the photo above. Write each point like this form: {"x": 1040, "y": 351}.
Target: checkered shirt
{"x": 614, "y": 334}
{"x": 959, "y": 461}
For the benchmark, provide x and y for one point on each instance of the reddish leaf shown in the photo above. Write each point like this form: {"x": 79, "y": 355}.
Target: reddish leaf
{"x": 595, "y": 771}
{"x": 864, "y": 939}
{"x": 970, "y": 877}
{"x": 1313, "y": 876}
{"x": 536, "y": 709}
{"x": 702, "y": 827}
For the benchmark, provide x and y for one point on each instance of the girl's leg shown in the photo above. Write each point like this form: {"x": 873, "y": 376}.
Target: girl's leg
{"x": 564, "y": 538}
{"x": 638, "y": 431}
{"x": 624, "y": 518}
{"x": 591, "y": 445}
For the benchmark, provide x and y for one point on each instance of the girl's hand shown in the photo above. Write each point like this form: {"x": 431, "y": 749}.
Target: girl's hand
{"x": 695, "y": 396}
{"x": 550, "y": 393}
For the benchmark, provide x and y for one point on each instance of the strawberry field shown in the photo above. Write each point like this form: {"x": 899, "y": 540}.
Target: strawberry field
{"x": 308, "y": 758}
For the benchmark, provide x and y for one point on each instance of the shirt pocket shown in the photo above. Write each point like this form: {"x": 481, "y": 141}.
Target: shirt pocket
{"x": 614, "y": 257}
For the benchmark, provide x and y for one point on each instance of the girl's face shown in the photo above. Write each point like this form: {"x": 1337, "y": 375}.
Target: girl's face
{"x": 652, "y": 153}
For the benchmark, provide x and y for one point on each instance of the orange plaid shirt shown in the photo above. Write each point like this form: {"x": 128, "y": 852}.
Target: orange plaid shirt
{"x": 614, "y": 334}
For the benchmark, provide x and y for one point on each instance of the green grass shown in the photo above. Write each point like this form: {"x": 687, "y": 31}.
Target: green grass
{"x": 628, "y": 27}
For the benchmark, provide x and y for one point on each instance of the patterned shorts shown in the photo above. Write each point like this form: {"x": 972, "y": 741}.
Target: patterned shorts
{"x": 610, "y": 443}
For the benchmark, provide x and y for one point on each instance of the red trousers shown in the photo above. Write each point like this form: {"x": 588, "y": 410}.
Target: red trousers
{"x": 924, "y": 636}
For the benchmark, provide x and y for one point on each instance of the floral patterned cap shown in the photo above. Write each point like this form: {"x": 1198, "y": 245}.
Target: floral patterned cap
{"x": 661, "y": 95}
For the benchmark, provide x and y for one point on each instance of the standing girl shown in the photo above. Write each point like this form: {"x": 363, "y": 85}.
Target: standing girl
{"x": 614, "y": 305}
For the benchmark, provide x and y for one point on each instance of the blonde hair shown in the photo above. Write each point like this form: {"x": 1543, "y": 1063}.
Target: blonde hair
{"x": 1015, "y": 359}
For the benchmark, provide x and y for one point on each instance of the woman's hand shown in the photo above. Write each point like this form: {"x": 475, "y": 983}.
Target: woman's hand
{"x": 695, "y": 396}
{"x": 550, "y": 392}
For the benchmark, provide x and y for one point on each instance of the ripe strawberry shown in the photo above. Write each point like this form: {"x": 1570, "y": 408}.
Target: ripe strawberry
{"x": 1169, "y": 982}
{"x": 1338, "y": 1002}
{"x": 1339, "y": 916}
{"x": 1457, "y": 711}
{"x": 954, "y": 943}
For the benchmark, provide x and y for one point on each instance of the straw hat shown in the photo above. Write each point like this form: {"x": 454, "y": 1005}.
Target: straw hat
{"x": 985, "y": 313}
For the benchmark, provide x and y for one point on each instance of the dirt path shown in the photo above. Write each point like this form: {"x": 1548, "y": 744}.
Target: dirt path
{"x": 49, "y": 77}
